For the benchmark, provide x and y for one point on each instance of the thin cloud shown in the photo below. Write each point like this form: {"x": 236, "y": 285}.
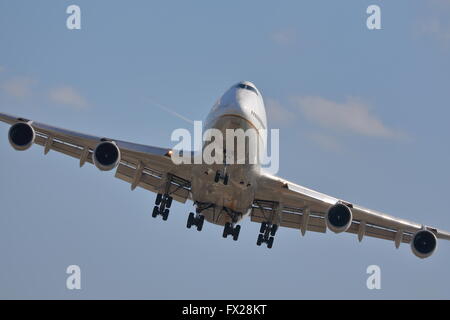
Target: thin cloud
{"x": 352, "y": 116}
{"x": 277, "y": 113}
{"x": 284, "y": 37}
{"x": 67, "y": 96}
{"x": 19, "y": 87}
{"x": 435, "y": 28}
{"x": 326, "y": 142}
{"x": 435, "y": 25}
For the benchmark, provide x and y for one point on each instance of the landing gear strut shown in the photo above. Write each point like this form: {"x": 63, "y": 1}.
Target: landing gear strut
{"x": 266, "y": 234}
{"x": 162, "y": 205}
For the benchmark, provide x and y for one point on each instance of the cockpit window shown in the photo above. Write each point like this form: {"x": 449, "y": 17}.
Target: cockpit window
{"x": 247, "y": 87}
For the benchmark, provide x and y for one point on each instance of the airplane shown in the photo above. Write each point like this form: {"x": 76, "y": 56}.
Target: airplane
{"x": 225, "y": 194}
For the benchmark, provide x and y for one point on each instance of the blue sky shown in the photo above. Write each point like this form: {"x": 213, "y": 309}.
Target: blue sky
{"x": 385, "y": 145}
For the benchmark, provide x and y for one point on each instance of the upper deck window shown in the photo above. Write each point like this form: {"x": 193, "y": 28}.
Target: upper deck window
{"x": 247, "y": 87}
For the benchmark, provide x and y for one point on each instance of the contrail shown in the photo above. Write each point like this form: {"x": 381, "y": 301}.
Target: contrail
{"x": 167, "y": 109}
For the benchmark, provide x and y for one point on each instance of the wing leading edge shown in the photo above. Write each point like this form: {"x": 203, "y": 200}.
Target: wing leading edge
{"x": 142, "y": 166}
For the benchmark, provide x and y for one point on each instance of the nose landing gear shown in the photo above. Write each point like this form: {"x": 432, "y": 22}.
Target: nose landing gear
{"x": 223, "y": 177}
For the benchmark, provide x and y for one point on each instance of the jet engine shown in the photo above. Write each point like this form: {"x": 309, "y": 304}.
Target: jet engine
{"x": 339, "y": 218}
{"x": 106, "y": 156}
{"x": 21, "y": 136}
{"x": 423, "y": 243}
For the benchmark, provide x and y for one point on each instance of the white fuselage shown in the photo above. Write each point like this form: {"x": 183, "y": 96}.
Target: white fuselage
{"x": 241, "y": 107}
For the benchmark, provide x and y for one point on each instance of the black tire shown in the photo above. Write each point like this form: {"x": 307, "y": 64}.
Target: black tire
{"x": 155, "y": 212}
{"x": 201, "y": 219}
{"x": 225, "y": 180}
{"x": 263, "y": 227}
{"x": 189, "y": 220}
{"x": 225, "y": 230}
{"x": 236, "y": 232}
{"x": 270, "y": 242}
{"x": 273, "y": 230}
{"x": 217, "y": 177}
{"x": 260, "y": 240}
{"x": 165, "y": 214}
{"x": 158, "y": 199}
{"x": 169, "y": 201}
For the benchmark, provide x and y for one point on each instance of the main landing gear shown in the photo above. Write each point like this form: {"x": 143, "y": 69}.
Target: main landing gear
{"x": 195, "y": 220}
{"x": 198, "y": 219}
{"x": 162, "y": 206}
{"x": 231, "y": 229}
{"x": 266, "y": 234}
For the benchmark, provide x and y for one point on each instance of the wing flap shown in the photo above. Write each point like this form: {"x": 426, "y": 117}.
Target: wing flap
{"x": 71, "y": 150}
{"x": 287, "y": 218}
{"x": 378, "y": 232}
{"x": 153, "y": 181}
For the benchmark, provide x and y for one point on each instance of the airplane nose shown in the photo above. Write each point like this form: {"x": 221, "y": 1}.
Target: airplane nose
{"x": 239, "y": 100}
{"x": 241, "y": 105}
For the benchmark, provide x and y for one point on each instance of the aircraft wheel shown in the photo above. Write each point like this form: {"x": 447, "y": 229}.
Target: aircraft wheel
{"x": 236, "y": 232}
{"x": 165, "y": 214}
{"x": 190, "y": 220}
{"x": 226, "y": 229}
{"x": 158, "y": 199}
{"x": 270, "y": 243}
{"x": 263, "y": 227}
{"x": 201, "y": 219}
{"x": 169, "y": 201}
{"x": 155, "y": 212}
{"x": 217, "y": 176}
{"x": 260, "y": 240}
{"x": 274, "y": 229}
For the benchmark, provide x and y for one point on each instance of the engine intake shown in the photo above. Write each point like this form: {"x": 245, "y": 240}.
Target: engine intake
{"x": 106, "y": 156}
{"x": 21, "y": 136}
{"x": 423, "y": 243}
{"x": 339, "y": 218}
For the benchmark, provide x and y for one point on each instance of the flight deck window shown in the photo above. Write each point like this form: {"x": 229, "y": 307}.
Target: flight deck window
{"x": 247, "y": 87}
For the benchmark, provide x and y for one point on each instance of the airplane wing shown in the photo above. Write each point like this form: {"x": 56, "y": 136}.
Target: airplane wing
{"x": 287, "y": 204}
{"x": 142, "y": 166}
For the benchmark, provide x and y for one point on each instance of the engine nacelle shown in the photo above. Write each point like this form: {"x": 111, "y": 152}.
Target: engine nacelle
{"x": 423, "y": 243}
{"x": 21, "y": 136}
{"x": 106, "y": 156}
{"x": 339, "y": 218}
